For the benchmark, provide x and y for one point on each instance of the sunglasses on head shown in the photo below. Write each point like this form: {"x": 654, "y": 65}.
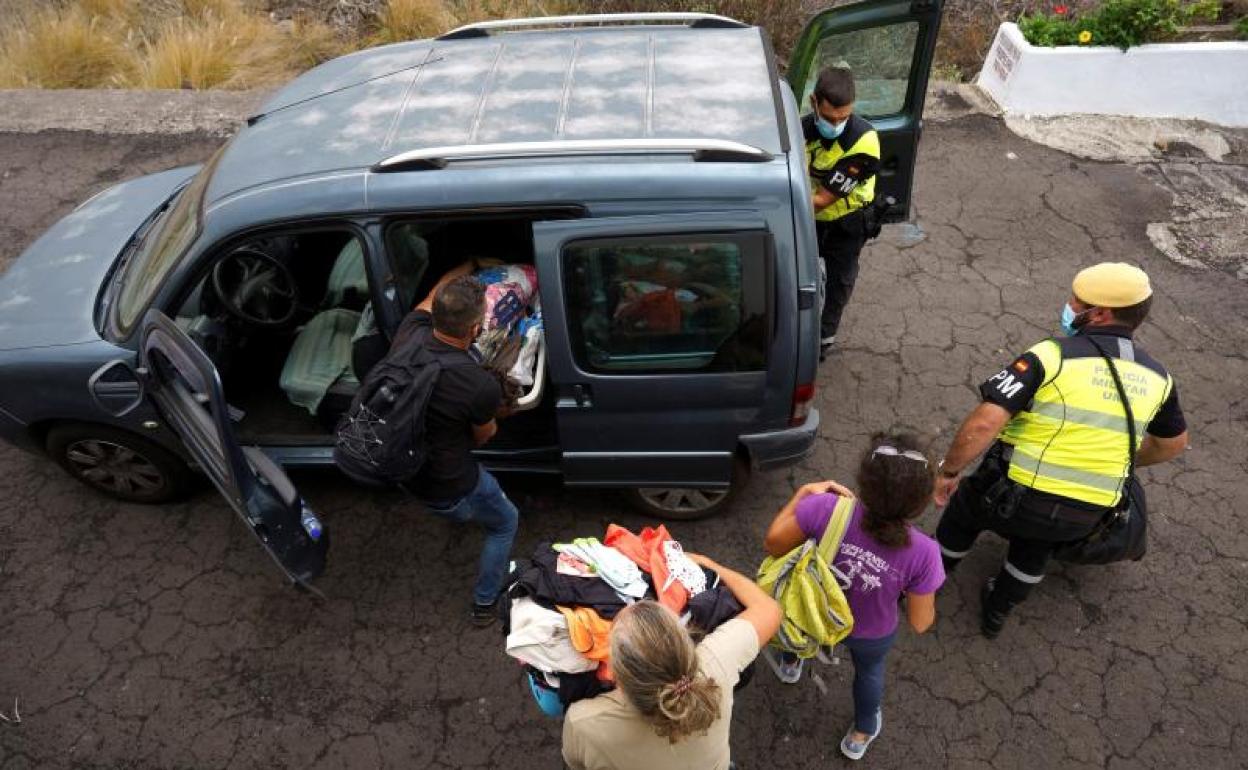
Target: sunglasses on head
{"x": 892, "y": 451}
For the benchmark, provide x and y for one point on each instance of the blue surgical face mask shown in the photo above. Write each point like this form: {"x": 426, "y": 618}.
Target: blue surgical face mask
{"x": 1069, "y": 320}
{"x": 827, "y": 129}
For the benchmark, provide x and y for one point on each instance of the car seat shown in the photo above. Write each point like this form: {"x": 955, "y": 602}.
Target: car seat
{"x": 319, "y": 363}
{"x": 409, "y": 259}
{"x": 318, "y": 374}
{"x": 348, "y": 280}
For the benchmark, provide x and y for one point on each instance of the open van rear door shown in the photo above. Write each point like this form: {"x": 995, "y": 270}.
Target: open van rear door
{"x": 889, "y": 46}
{"x": 184, "y": 385}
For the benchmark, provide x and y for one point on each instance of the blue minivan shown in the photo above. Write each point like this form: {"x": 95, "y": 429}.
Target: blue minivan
{"x": 206, "y": 317}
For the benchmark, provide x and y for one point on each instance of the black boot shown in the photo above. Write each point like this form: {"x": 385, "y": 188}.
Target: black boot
{"x": 994, "y": 610}
{"x": 1001, "y": 595}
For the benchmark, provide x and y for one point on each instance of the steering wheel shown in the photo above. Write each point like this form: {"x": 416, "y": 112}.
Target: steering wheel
{"x": 255, "y": 287}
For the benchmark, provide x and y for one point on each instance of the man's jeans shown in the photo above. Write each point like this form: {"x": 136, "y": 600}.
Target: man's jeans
{"x": 488, "y": 506}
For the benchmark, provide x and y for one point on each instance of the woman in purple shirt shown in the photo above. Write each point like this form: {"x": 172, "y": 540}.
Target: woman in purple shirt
{"x": 881, "y": 558}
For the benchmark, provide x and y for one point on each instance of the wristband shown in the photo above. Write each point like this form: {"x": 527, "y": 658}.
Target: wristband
{"x": 948, "y": 474}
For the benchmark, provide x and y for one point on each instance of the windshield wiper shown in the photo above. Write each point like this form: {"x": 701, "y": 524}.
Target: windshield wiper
{"x": 127, "y": 253}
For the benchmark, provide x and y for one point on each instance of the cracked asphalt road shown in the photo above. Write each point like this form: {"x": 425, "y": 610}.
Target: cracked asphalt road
{"x": 161, "y": 637}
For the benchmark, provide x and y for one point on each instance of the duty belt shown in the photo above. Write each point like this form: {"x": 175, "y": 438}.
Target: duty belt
{"x": 1005, "y": 495}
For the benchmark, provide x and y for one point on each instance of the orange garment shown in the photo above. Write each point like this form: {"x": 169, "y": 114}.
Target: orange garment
{"x": 655, "y": 311}
{"x": 590, "y": 636}
{"x": 647, "y": 551}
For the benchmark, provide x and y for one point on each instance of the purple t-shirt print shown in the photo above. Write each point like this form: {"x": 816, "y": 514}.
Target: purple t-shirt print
{"x": 873, "y": 576}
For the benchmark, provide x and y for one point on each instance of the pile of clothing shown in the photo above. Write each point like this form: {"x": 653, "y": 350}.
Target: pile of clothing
{"x": 511, "y": 338}
{"x": 559, "y": 607}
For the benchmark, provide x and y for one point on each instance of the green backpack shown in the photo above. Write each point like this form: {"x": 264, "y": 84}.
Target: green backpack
{"x": 816, "y": 612}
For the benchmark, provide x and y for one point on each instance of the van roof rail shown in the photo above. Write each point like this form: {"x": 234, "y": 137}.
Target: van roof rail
{"x": 694, "y": 20}
{"x": 706, "y": 150}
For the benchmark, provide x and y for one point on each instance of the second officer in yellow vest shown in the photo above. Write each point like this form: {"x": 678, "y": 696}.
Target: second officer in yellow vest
{"x": 842, "y": 159}
{"x": 1059, "y": 438}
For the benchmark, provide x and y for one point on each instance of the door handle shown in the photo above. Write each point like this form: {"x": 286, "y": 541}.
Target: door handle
{"x": 580, "y": 394}
{"x": 116, "y": 388}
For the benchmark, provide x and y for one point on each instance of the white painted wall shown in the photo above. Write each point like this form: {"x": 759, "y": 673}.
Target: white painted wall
{"x": 1204, "y": 81}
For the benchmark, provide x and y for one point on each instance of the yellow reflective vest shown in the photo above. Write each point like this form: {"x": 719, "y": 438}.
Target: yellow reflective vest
{"x": 1072, "y": 439}
{"x": 846, "y": 165}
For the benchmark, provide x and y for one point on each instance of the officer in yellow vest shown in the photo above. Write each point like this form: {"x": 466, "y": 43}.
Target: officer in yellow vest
{"x": 842, "y": 159}
{"x": 1058, "y": 434}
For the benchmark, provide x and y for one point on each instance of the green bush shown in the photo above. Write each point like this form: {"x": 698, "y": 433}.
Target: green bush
{"x": 1125, "y": 23}
{"x": 1241, "y": 28}
{"x": 1120, "y": 23}
{"x": 1044, "y": 30}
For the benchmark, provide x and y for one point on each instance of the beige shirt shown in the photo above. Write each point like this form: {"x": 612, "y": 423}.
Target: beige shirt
{"x": 607, "y": 733}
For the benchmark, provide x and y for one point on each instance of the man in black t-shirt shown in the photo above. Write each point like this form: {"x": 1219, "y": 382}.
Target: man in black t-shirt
{"x": 461, "y": 416}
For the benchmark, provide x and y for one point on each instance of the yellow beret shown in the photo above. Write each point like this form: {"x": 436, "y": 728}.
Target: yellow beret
{"x": 1112, "y": 284}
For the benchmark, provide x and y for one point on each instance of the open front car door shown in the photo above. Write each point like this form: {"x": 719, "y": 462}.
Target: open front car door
{"x": 184, "y": 385}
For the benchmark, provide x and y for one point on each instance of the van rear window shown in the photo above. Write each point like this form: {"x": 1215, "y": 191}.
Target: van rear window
{"x": 668, "y": 303}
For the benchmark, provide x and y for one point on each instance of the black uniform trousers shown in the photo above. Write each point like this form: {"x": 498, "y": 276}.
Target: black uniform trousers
{"x": 1033, "y": 523}
{"x": 840, "y": 242}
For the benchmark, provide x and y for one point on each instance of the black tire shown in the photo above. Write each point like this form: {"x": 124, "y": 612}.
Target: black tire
{"x": 120, "y": 464}
{"x": 687, "y": 503}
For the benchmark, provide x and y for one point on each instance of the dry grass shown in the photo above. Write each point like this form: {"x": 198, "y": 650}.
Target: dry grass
{"x": 235, "y": 44}
{"x": 969, "y": 27}
{"x": 158, "y": 44}
{"x": 783, "y": 19}
{"x": 63, "y": 49}
{"x": 110, "y": 9}
{"x": 223, "y": 47}
{"x": 400, "y": 20}
{"x": 310, "y": 42}
{"x": 190, "y": 54}
{"x": 212, "y": 9}
{"x": 411, "y": 20}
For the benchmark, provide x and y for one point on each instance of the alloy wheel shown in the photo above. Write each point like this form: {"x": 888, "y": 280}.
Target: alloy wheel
{"x": 114, "y": 468}
{"x": 682, "y": 500}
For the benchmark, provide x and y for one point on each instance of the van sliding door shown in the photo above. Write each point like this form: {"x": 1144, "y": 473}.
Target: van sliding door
{"x": 658, "y": 331}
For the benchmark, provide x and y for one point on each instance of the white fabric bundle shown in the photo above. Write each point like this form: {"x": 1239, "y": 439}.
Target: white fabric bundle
{"x": 616, "y": 569}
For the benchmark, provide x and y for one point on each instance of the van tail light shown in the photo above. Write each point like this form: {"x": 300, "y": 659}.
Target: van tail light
{"x": 803, "y": 397}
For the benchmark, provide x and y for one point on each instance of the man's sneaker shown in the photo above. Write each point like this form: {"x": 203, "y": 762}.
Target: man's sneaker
{"x": 788, "y": 668}
{"x": 825, "y": 347}
{"x": 990, "y": 621}
{"x": 483, "y": 615}
{"x": 853, "y": 749}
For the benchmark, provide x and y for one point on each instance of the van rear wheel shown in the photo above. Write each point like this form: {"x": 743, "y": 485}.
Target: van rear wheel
{"x": 688, "y": 503}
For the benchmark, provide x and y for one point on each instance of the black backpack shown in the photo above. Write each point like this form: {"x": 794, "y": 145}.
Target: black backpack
{"x": 381, "y": 438}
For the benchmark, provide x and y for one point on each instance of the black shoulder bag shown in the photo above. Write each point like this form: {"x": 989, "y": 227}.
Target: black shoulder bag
{"x": 1122, "y": 534}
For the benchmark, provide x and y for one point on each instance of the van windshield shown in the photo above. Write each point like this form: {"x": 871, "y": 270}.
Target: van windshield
{"x": 161, "y": 247}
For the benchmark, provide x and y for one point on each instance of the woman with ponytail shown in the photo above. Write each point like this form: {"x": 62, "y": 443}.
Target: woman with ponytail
{"x": 882, "y": 558}
{"x": 673, "y": 703}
